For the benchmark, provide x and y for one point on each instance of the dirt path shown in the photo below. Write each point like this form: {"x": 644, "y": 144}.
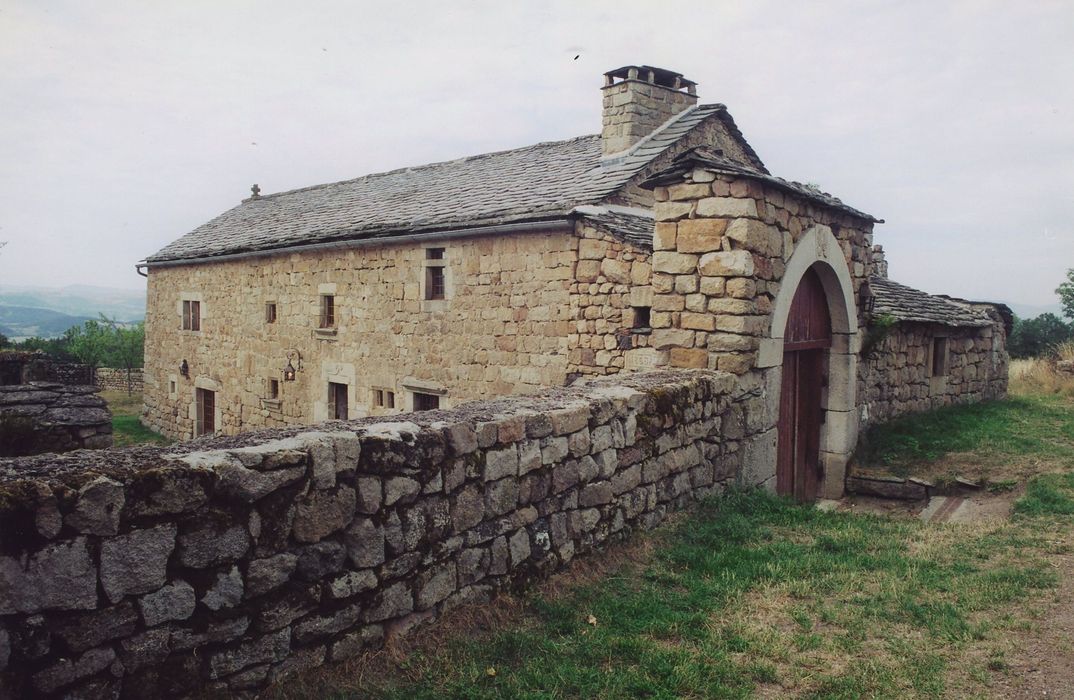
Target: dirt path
{"x": 1044, "y": 666}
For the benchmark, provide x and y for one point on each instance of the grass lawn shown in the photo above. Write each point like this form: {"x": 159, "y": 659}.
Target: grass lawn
{"x": 126, "y": 429}
{"x": 748, "y": 595}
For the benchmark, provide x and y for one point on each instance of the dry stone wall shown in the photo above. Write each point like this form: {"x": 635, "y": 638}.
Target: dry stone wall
{"x": 897, "y": 377}
{"x": 109, "y": 379}
{"x": 235, "y": 562}
{"x": 51, "y": 417}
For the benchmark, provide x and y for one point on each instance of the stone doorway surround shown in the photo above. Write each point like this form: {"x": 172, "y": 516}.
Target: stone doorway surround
{"x": 819, "y": 249}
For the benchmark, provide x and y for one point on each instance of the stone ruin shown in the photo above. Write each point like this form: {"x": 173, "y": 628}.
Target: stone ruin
{"x": 47, "y": 406}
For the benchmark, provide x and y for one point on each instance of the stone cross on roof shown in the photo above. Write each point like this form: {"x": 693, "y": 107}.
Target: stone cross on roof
{"x": 255, "y": 192}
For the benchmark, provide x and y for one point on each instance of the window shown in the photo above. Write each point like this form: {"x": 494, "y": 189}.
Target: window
{"x": 337, "y": 401}
{"x": 641, "y": 318}
{"x": 435, "y": 274}
{"x": 434, "y": 283}
{"x": 328, "y": 311}
{"x": 383, "y": 398}
{"x": 171, "y": 386}
{"x": 939, "y": 357}
{"x": 191, "y": 315}
{"x": 426, "y": 402}
{"x": 270, "y": 312}
{"x": 274, "y": 389}
{"x": 206, "y": 420}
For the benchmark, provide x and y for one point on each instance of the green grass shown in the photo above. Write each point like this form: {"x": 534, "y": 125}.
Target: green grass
{"x": 1038, "y": 425}
{"x": 753, "y": 590}
{"x": 752, "y": 594}
{"x": 126, "y": 428}
{"x": 127, "y": 431}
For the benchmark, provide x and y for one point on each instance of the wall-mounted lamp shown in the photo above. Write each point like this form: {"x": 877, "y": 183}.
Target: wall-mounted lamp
{"x": 289, "y": 371}
{"x": 868, "y": 299}
{"x": 184, "y": 369}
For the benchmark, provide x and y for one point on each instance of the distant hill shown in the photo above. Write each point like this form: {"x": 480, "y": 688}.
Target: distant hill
{"x": 78, "y": 300}
{"x": 1032, "y": 311}
{"x": 18, "y": 322}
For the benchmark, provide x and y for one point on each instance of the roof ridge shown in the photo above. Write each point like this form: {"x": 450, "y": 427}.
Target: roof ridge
{"x": 422, "y": 166}
{"x": 621, "y": 156}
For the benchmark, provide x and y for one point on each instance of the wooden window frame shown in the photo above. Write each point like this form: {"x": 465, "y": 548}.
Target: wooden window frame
{"x": 191, "y": 315}
{"x": 271, "y": 312}
{"x": 328, "y": 316}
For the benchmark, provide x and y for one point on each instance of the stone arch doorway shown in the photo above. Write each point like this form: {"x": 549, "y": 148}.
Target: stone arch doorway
{"x": 819, "y": 258}
{"x": 807, "y": 340}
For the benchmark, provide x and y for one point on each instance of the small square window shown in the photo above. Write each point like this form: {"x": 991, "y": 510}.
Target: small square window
{"x": 270, "y": 312}
{"x": 426, "y": 402}
{"x": 328, "y": 311}
{"x": 191, "y": 315}
{"x": 274, "y": 389}
{"x": 434, "y": 253}
{"x": 171, "y": 386}
{"x": 434, "y": 283}
{"x": 641, "y": 318}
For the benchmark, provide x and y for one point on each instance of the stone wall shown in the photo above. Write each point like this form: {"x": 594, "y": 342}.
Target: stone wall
{"x": 22, "y": 367}
{"x": 897, "y": 377}
{"x": 233, "y": 562}
{"x": 502, "y": 330}
{"x": 51, "y": 417}
{"x": 108, "y": 379}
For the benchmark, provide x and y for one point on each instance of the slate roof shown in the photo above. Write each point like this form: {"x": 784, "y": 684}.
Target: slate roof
{"x": 627, "y": 223}
{"x": 908, "y": 304}
{"x": 539, "y": 182}
{"x": 718, "y": 162}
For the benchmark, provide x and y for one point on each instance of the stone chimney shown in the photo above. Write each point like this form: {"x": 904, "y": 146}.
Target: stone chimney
{"x": 880, "y": 262}
{"x": 637, "y": 100}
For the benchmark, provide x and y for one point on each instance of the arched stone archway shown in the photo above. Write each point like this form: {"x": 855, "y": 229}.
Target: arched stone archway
{"x": 819, "y": 251}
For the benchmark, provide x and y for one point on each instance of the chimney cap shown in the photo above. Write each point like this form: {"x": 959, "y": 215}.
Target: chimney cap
{"x": 650, "y": 74}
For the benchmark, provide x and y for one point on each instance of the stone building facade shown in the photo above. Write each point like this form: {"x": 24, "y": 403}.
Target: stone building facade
{"x": 663, "y": 242}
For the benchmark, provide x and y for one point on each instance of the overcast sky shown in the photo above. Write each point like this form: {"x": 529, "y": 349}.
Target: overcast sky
{"x": 123, "y": 125}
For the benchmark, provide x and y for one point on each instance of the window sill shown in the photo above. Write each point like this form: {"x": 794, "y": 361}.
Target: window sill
{"x": 324, "y": 333}
{"x": 641, "y": 331}
{"x": 272, "y": 404}
{"x": 433, "y": 305}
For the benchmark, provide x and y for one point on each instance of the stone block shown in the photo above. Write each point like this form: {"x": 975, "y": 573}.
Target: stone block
{"x": 439, "y": 584}
{"x": 320, "y": 560}
{"x": 392, "y": 602}
{"x": 674, "y": 263}
{"x": 501, "y": 463}
{"x": 728, "y": 207}
{"x": 688, "y": 191}
{"x": 664, "y": 234}
{"x": 174, "y": 601}
{"x": 757, "y": 236}
{"x": 100, "y": 503}
{"x": 212, "y": 541}
{"x": 616, "y": 271}
{"x": 66, "y": 671}
{"x": 365, "y": 543}
{"x": 733, "y": 263}
{"x": 265, "y": 649}
{"x": 92, "y": 629}
{"x": 695, "y": 358}
{"x": 671, "y": 211}
{"x": 519, "y": 545}
{"x": 248, "y": 485}
{"x": 700, "y": 235}
{"x": 501, "y": 496}
{"x": 60, "y": 576}
{"x": 322, "y": 512}
{"x": 698, "y": 321}
{"x": 225, "y": 591}
{"x": 136, "y": 562}
{"x": 667, "y": 338}
{"x": 351, "y": 583}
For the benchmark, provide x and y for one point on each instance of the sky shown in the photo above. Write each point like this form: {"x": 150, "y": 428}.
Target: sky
{"x": 124, "y": 125}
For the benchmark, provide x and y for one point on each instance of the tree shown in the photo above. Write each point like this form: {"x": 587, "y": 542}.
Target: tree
{"x": 1036, "y": 336}
{"x": 1066, "y": 294}
{"x": 107, "y": 342}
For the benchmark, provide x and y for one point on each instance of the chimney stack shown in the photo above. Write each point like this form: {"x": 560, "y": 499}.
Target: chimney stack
{"x": 638, "y": 100}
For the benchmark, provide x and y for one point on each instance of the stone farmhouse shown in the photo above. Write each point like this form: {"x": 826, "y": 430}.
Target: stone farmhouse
{"x": 662, "y": 242}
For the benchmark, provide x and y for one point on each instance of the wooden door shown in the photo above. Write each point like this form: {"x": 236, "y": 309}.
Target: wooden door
{"x": 337, "y": 400}
{"x": 805, "y": 358}
{"x": 206, "y": 412}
